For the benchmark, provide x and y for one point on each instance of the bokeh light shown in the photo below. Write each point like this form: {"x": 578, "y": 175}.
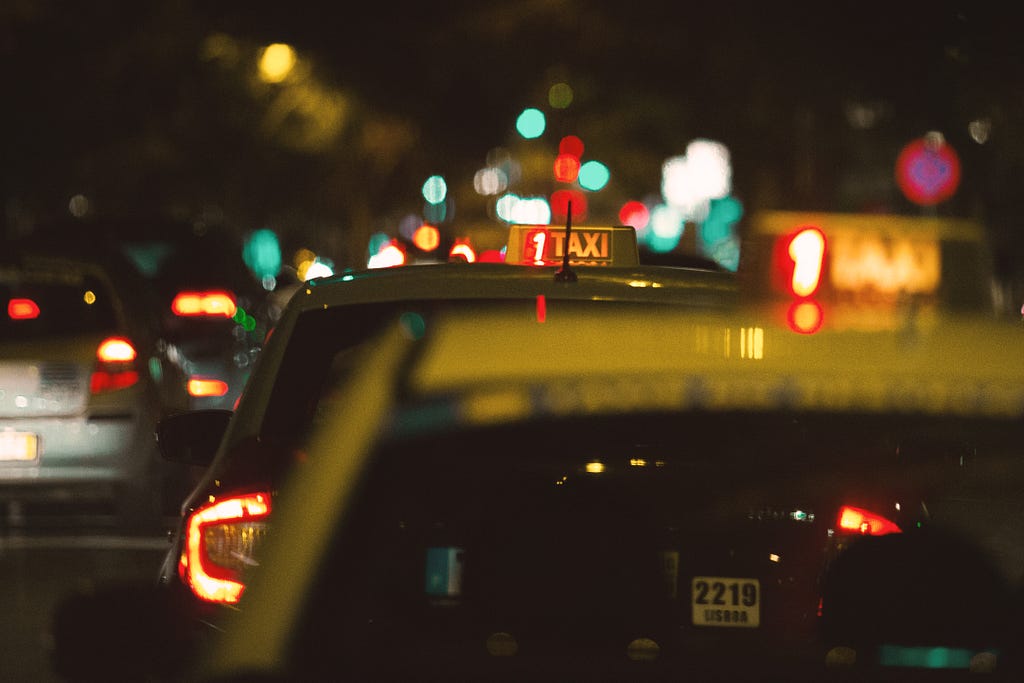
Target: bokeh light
{"x": 262, "y": 253}
{"x": 390, "y": 255}
{"x": 435, "y": 189}
{"x": 490, "y": 181}
{"x": 594, "y": 176}
{"x": 666, "y": 222}
{"x": 560, "y": 205}
{"x": 505, "y": 205}
{"x": 78, "y": 206}
{"x": 527, "y": 210}
{"x": 409, "y": 224}
{"x": 317, "y": 269}
{"x": 531, "y": 123}
{"x": 426, "y": 238}
{"x": 635, "y": 214}
{"x": 567, "y": 168}
{"x": 571, "y": 144}
{"x": 435, "y": 213}
{"x": 560, "y": 95}
{"x": 462, "y": 250}
{"x": 276, "y": 62}
{"x": 691, "y": 180}
{"x": 979, "y": 130}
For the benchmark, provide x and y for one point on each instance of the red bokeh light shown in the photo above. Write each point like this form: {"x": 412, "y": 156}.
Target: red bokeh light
{"x": 572, "y": 146}
{"x": 634, "y": 213}
{"x": 560, "y": 205}
{"x": 567, "y": 168}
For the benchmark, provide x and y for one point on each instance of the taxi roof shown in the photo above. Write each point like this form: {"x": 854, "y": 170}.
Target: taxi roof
{"x": 694, "y": 286}
{"x": 718, "y": 359}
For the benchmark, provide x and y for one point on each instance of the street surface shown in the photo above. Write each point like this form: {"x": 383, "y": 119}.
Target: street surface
{"x": 45, "y": 559}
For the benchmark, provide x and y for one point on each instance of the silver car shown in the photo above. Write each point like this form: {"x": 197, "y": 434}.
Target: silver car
{"x": 84, "y": 377}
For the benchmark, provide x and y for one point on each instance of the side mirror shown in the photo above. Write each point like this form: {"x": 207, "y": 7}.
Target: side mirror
{"x": 192, "y": 438}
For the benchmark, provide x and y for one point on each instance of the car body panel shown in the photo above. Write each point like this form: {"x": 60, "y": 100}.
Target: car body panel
{"x": 87, "y": 445}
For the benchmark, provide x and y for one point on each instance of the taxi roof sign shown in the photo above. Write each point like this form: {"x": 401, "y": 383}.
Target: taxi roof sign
{"x": 547, "y": 245}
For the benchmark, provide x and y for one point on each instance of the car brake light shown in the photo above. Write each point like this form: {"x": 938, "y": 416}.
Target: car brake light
{"x": 115, "y": 366}
{"x": 202, "y": 386}
{"x": 462, "y": 250}
{"x": 214, "y": 304}
{"x": 221, "y": 540}
{"x": 22, "y": 309}
{"x": 860, "y": 521}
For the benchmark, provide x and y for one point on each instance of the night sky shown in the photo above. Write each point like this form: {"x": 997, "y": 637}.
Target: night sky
{"x": 110, "y": 99}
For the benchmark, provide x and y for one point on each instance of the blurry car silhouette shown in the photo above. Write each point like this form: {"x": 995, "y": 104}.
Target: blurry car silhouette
{"x": 84, "y": 377}
{"x": 326, "y": 320}
{"x": 518, "y": 475}
{"x": 211, "y": 307}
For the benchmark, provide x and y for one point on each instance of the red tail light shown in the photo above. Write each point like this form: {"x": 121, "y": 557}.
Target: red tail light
{"x": 211, "y": 304}
{"x": 115, "y": 366}
{"x": 22, "y": 309}
{"x": 202, "y": 386}
{"x": 860, "y": 521}
{"x": 462, "y": 250}
{"x": 221, "y": 541}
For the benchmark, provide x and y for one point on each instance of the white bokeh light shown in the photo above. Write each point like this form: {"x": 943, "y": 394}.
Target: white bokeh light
{"x": 490, "y": 181}
{"x": 690, "y": 181}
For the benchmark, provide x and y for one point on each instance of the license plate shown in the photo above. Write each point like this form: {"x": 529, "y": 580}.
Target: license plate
{"x": 726, "y": 601}
{"x": 21, "y": 446}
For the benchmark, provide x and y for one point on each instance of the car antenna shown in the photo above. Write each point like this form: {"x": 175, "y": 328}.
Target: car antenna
{"x": 565, "y": 273}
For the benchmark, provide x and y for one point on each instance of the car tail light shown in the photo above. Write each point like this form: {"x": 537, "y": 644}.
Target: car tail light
{"x": 220, "y": 542}
{"x": 854, "y": 520}
{"x": 209, "y": 304}
{"x": 204, "y": 386}
{"x": 115, "y": 366}
{"x": 22, "y": 309}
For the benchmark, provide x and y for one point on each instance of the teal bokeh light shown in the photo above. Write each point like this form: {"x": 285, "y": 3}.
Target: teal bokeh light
{"x": 435, "y": 213}
{"x": 262, "y": 253}
{"x": 723, "y": 214}
{"x": 593, "y": 176}
{"x": 377, "y": 242}
{"x": 661, "y": 244}
{"x": 531, "y": 123}
{"x": 413, "y": 325}
{"x": 435, "y": 189}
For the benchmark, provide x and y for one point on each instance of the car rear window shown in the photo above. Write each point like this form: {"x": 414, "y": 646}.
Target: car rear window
{"x": 565, "y": 524}
{"x": 40, "y": 304}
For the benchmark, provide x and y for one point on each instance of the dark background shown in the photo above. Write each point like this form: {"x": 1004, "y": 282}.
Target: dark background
{"x": 154, "y": 107}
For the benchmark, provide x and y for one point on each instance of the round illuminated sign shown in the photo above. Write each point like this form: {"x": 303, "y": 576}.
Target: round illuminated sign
{"x": 928, "y": 171}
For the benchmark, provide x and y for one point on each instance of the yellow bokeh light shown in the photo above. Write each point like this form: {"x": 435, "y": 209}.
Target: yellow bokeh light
{"x": 276, "y": 62}
{"x": 89, "y": 297}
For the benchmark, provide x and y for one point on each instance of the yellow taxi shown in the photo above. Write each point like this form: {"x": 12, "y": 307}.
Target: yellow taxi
{"x": 635, "y": 492}
{"x": 548, "y": 469}
{"x": 329, "y": 317}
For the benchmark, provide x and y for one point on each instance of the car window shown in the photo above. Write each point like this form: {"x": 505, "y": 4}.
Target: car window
{"x": 576, "y": 531}
{"x": 43, "y": 304}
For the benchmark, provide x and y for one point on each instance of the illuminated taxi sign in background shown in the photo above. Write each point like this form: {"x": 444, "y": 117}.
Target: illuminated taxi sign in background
{"x": 879, "y": 257}
{"x": 546, "y": 245}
